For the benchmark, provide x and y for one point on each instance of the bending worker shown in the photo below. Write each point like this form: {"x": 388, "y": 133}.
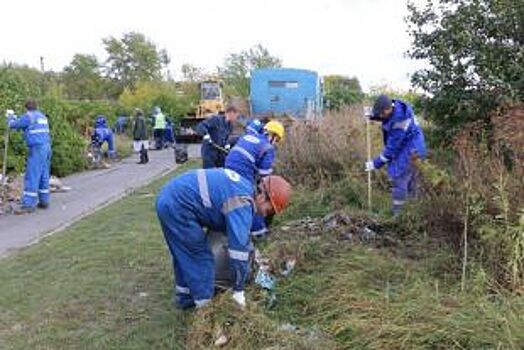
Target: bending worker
{"x": 103, "y": 133}
{"x": 220, "y": 200}
{"x": 253, "y": 156}
{"x": 215, "y": 132}
{"x": 36, "y": 133}
{"x": 404, "y": 142}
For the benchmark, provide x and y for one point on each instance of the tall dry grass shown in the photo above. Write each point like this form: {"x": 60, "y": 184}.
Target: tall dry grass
{"x": 319, "y": 152}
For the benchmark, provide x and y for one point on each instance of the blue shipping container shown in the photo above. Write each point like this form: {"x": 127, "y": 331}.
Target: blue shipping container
{"x": 278, "y": 91}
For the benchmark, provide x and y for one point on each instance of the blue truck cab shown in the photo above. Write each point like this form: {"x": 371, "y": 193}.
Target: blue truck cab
{"x": 286, "y": 91}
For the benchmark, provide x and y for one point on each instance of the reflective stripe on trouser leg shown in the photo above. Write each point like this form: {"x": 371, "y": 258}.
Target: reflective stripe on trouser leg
{"x": 399, "y": 192}
{"x": 31, "y": 178}
{"x": 193, "y": 258}
{"x": 258, "y": 227}
{"x": 184, "y": 299}
{"x": 43, "y": 185}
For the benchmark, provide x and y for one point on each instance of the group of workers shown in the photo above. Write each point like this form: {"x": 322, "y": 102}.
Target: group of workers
{"x": 235, "y": 192}
{"x": 162, "y": 132}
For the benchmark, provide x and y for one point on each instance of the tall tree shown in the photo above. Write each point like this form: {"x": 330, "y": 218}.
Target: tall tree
{"x": 83, "y": 79}
{"x": 192, "y": 73}
{"x": 475, "y": 55}
{"x": 237, "y": 67}
{"x": 134, "y": 58}
{"x": 341, "y": 91}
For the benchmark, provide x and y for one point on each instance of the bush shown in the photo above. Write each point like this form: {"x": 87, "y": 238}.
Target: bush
{"x": 67, "y": 144}
{"x": 162, "y": 94}
{"x": 13, "y": 92}
{"x": 483, "y": 189}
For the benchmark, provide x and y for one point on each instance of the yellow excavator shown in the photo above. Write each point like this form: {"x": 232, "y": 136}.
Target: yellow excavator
{"x": 211, "y": 103}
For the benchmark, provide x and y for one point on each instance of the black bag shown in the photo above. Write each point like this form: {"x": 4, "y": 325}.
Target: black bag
{"x": 180, "y": 154}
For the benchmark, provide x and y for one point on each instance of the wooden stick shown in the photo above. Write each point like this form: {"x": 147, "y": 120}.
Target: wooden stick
{"x": 368, "y": 141}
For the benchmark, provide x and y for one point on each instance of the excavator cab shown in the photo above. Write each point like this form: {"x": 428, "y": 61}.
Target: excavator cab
{"x": 211, "y": 98}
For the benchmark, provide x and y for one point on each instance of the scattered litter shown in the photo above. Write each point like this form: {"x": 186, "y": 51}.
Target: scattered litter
{"x": 143, "y": 294}
{"x": 368, "y": 234}
{"x": 288, "y": 327}
{"x": 289, "y": 265}
{"x": 222, "y": 339}
{"x": 265, "y": 280}
{"x": 56, "y": 185}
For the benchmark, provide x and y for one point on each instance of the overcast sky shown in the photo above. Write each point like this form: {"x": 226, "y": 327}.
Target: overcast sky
{"x": 362, "y": 38}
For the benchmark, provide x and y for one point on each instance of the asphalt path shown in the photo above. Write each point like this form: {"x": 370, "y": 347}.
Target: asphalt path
{"x": 91, "y": 191}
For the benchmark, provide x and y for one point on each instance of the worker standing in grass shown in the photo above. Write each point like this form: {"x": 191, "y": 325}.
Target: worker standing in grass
{"x": 403, "y": 143}
{"x": 252, "y": 157}
{"x": 159, "y": 127}
{"x": 36, "y": 133}
{"x": 140, "y": 138}
{"x": 220, "y": 200}
{"x": 215, "y": 132}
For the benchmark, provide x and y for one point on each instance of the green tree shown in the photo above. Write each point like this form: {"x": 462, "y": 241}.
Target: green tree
{"x": 83, "y": 79}
{"x": 134, "y": 58}
{"x": 237, "y": 67}
{"x": 475, "y": 55}
{"x": 341, "y": 91}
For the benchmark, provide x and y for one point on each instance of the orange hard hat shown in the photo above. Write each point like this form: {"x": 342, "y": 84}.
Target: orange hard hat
{"x": 278, "y": 191}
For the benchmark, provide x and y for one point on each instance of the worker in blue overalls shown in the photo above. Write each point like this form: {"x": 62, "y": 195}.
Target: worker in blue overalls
{"x": 252, "y": 157}
{"x": 220, "y": 200}
{"x": 103, "y": 133}
{"x": 403, "y": 142}
{"x": 215, "y": 133}
{"x": 36, "y": 134}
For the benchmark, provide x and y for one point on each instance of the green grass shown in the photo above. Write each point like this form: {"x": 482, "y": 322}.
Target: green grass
{"x": 106, "y": 283}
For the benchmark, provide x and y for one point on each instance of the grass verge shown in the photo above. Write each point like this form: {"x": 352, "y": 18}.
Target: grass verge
{"x": 106, "y": 283}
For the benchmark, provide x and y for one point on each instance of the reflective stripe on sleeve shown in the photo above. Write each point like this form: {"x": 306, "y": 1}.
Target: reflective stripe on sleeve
{"x": 235, "y": 203}
{"x": 39, "y": 131}
{"x": 244, "y": 153}
{"x": 182, "y": 290}
{"x": 203, "y": 188}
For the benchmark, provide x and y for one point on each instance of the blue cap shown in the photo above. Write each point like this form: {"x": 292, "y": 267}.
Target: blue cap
{"x": 382, "y": 103}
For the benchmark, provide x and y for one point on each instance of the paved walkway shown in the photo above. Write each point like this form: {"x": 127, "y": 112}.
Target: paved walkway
{"x": 91, "y": 191}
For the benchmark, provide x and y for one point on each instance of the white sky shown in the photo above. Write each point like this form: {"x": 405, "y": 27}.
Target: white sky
{"x": 362, "y": 38}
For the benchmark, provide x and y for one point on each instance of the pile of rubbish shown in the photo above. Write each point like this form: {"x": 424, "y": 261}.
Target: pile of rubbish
{"x": 14, "y": 187}
{"x": 287, "y": 244}
{"x": 222, "y": 325}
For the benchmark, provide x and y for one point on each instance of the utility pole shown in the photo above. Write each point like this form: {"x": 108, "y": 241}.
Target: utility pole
{"x": 42, "y": 69}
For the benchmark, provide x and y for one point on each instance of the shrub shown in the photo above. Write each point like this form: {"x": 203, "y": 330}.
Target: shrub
{"x": 162, "y": 94}
{"x": 67, "y": 144}
{"x": 483, "y": 189}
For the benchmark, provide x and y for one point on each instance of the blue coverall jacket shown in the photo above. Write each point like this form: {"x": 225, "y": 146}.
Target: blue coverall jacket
{"x": 252, "y": 157}
{"x": 219, "y": 130}
{"x": 220, "y": 200}
{"x": 104, "y": 134}
{"x": 36, "y": 134}
{"x": 403, "y": 139}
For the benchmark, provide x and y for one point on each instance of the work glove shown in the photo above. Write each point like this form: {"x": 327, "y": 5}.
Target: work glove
{"x": 369, "y": 166}
{"x": 9, "y": 114}
{"x": 207, "y": 139}
{"x": 227, "y": 147}
{"x": 239, "y": 298}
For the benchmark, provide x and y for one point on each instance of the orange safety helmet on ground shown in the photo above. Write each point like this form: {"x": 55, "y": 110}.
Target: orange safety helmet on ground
{"x": 276, "y": 128}
{"x": 278, "y": 191}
